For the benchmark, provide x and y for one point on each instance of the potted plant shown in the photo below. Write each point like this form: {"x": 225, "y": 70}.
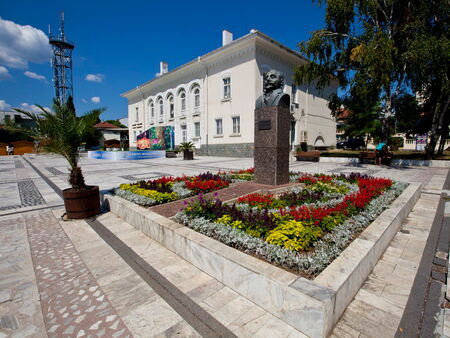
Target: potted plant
{"x": 188, "y": 150}
{"x": 62, "y": 132}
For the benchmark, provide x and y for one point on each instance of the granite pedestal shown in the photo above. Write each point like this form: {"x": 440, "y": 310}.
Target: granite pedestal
{"x": 272, "y": 145}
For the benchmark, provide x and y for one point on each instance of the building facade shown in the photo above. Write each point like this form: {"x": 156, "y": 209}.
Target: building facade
{"x": 210, "y": 101}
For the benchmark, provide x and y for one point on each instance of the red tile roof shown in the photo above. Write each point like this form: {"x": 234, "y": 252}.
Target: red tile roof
{"x": 105, "y": 125}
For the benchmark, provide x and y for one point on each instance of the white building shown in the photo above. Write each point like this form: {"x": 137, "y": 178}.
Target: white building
{"x": 211, "y": 100}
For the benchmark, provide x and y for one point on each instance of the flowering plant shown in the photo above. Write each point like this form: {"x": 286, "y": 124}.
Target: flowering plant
{"x": 296, "y": 219}
{"x": 168, "y": 188}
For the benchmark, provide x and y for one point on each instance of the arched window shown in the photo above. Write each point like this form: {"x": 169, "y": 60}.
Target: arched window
{"x": 197, "y": 98}
{"x": 161, "y": 107}
{"x": 152, "y": 110}
{"x": 171, "y": 107}
{"x": 183, "y": 101}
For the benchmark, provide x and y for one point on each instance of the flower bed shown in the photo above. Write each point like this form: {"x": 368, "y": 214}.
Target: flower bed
{"x": 168, "y": 189}
{"x": 303, "y": 229}
{"x": 238, "y": 175}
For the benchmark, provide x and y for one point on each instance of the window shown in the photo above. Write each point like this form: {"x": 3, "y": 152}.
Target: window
{"x": 161, "y": 108}
{"x": 219, "y": 128}
{"x": 236, "y": 124}
{"x": 294, "y": 93}
{"x": 134, "y": 135}
{"x": 137, "y": 114}
{"x": 196, "y": 98}
{"x": 152, "y": 110}
{"x": 226, "y": 88}
{"x": 197, "y": 129}
{"x": 183, "y": 101}
{"x": 184, "y": 133}
{"x": 171, "y": 107}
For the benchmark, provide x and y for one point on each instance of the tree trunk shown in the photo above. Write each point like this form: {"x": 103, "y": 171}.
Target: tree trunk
{"x": 429, "y": 151}
{"x": 76, "y": 179}
{"x": 443, "y": 125}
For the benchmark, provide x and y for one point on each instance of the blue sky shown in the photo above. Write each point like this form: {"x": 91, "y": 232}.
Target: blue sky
{"x": 120, "y": 44}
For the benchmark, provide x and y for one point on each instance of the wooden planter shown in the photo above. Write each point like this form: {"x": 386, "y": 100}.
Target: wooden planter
{"x": 307, "y": 156}
{"x": 188, "y": 155}
{"x": 171, "y": 154}
{"x": 82, "y": 204}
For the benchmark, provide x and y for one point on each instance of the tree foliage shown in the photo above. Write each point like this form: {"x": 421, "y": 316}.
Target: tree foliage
{"x": 382, "y": 52}
{"x": 62, "y": 132}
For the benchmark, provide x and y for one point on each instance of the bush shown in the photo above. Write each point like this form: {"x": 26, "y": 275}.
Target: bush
{"x": 396, "y": 142}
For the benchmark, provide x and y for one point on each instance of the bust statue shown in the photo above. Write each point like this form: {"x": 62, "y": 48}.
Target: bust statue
{"x": 273, "y": 95}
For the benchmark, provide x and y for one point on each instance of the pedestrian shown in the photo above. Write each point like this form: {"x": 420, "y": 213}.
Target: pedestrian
{"x": 10, "y": 149}
{"x": 380, "y": 151}
{"x": 36, "y": 146}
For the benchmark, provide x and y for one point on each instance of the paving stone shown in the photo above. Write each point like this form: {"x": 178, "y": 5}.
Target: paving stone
{"x": 53, "y": 253}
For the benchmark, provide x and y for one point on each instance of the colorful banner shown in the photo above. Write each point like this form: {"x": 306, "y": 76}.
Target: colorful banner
{"x": 157, "y": 138}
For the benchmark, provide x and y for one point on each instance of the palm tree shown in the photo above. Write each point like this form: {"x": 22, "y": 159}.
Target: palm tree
{"x": 62, "y": 132}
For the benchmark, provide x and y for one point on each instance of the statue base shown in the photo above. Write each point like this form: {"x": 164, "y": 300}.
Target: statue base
{"x": 271, "y": 147}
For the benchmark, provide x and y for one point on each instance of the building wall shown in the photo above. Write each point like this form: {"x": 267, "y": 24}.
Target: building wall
{"x": 244, "y": 63}
{"x": 110, "y": 135}
{"x": 311, "y": 115}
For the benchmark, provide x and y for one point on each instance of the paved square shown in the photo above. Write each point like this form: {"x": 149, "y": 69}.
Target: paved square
{"x": 62, "y": 278}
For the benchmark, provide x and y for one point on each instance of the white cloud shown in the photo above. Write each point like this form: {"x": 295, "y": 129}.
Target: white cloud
{"x": 95, "y": 99}
{"x": 4, "y": 106}
{"x": 20, "y": 45}
{"x": 84, "y": 100}
{"x": 30, "y": 107}
{"x": 95, "y": 77}
{"x": 4, "y": 73}
{"x": 34, "y": 76}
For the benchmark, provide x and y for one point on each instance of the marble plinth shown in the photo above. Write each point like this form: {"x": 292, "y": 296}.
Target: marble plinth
{"x": 271, "y": 147}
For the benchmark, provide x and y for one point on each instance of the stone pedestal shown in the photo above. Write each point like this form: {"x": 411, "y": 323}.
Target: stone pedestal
{"x": 271, "y": 146}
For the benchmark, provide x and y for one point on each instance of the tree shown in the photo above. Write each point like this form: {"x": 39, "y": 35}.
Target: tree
{"x": 116, "y": 123}
{"x": 371, "y": 48}
{"x": 427, "y": 61}
{"x": 62, "y": 132}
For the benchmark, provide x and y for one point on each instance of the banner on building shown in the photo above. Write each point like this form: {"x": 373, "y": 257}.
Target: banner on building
{"x": 421, "y": 141}
{"x": 157, "y": 138}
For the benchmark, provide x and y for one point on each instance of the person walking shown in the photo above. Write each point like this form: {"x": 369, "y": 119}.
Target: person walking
{"x": 10, "y": 149}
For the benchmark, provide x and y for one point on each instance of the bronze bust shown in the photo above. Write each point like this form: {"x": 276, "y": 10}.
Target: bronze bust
{"x": 273, "y": 95}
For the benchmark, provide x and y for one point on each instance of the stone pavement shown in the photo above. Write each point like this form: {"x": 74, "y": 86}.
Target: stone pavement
{"x": 62, "y": 279}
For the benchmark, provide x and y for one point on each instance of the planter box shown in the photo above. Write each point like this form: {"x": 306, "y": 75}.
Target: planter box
{"x": 307, "y": 156}
{"x": 311, "y": 306}
{"x": 171, "y": 154}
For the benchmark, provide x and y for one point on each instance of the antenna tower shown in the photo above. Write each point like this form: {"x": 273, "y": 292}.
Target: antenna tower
{"x": 62, "y": 64}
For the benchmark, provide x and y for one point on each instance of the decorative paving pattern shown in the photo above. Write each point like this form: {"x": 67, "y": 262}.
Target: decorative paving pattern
{"x": 29, "y": 195}
{"x": 355, "y": 169}
{"x": 54, "y": 171}
{"x": 154, "y": 174}
{"x": 18, "y": 164}
{"x": 72, "y": 302}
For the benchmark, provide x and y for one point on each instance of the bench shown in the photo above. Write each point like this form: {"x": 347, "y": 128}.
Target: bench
{"x": 370, "y": 157}
{"x": 367, "y": 157}
{"x": 313, "y": 156}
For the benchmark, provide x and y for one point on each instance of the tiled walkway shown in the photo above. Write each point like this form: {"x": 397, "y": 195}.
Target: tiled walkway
{"x": 378, "y": 306}
{"x": 73, "y": 304}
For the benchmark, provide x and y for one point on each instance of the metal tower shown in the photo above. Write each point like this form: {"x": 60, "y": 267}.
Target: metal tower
{"x": 62, "y": 64}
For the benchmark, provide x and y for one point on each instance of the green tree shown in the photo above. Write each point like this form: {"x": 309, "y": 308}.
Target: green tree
{"x": 116, "y": 123}
{"x": 62, "y": 132}
{"x": 372, "y": 49}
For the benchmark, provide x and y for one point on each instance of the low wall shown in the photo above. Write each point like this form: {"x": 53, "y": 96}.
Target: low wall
{"x": 395, "y": 163}
{"x": 311, "y": 306}
{"x": 126, "y": 155}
